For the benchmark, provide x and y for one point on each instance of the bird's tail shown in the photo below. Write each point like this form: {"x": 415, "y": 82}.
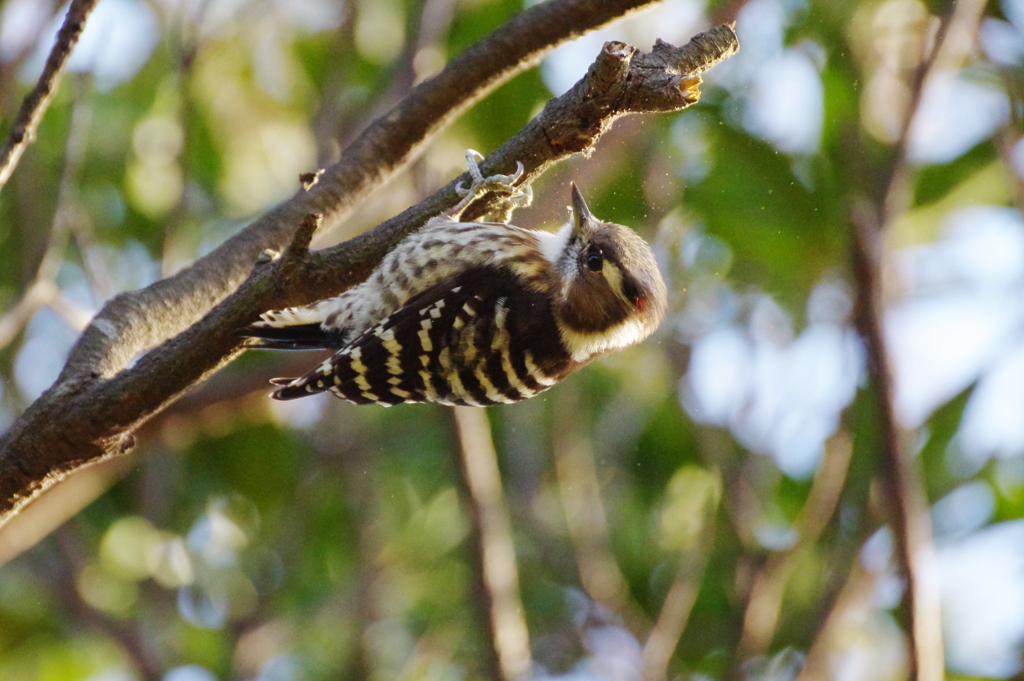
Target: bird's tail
{"x": 294, "y": 328}
{"x": 298, "y": 337}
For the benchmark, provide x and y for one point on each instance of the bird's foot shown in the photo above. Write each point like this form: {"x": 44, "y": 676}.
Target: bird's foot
{"x": 510, "y": 196}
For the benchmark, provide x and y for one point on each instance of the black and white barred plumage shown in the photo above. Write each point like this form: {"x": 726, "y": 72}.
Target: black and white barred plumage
{"x": 476, "y": 313}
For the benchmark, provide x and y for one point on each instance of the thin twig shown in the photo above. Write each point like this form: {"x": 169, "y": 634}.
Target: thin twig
{"x": 43, "y": 289}
{"x": 402, "y": 72}
{"x": 74, "y": 315}
{"x": 497, "y": 552}
{"x": 850, "y": 614}
{"x": 911, "y": 524}
{"x": 435, "y": 21}
{"x": 765, "y": 601}
{"x": 675, "y": 610}
{"x": 952, "y": 44}
{"x": 39, "y": 293}
{"x": 129, "y": 637}
{"x": 1006, "y": 141}
{"x": 36, "y": 102}
{"x": 915, "y": 552}
{"x": 580, "y": 493}
{"x": 70, "y": 214}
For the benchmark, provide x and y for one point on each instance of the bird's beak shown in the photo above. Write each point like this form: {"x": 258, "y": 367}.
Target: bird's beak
{"x": 581, "y": 215}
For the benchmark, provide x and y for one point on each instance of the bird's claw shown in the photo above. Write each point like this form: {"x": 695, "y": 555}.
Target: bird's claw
{"x": 511, "y": 196}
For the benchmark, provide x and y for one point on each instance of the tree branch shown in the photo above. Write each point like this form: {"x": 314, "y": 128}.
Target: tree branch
{"x": 953, "y": 42}
{"x": 675, "y": 610}
{"x": 580, "y": 493}
{"x": 43, "y": 289}
{"x": 847, "y": 618}
{"x": 23, "y": 133}
{"x": 96, "y": 404}
{"x": 494, "y": 547}
{"x": 914, "y": 552}
{"x": 765, "y": 602}
{"x": 911, "y": 524}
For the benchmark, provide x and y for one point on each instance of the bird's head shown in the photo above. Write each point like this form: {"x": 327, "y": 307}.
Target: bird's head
{"x": 612, "y": 291}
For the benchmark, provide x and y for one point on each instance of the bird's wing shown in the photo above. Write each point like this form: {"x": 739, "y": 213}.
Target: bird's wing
{"x": 451, "y": 344}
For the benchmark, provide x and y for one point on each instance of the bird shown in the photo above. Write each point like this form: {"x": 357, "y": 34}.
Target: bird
{"x": 476, "y": 313}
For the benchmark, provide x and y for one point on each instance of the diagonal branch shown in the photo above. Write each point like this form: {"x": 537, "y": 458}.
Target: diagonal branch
{"x": 580, "y": 493}
{"x": 127, "y": 324}
{"x": 953, "y": 41}
{"x": 43, "y": 288}
{"x": 850, "y": 614}
{"x": 765, "y": 602}
{"x": 23, "y": 133}
{"x": 93, "y": 409}
{"x": 675, "y": 611}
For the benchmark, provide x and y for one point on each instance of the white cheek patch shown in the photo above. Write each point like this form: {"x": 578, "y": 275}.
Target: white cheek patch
{"x": 613, "y": 276}
{"x": 583, "y": 346}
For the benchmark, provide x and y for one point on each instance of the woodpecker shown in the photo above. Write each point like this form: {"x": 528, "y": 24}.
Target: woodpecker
{"x": 476, "y": 313}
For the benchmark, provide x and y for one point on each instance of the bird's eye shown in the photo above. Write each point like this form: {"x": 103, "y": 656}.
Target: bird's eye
{"x": 595, "y": 262}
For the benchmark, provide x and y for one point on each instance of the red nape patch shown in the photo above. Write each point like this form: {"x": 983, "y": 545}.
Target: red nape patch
{"x": 639, "y": 302}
